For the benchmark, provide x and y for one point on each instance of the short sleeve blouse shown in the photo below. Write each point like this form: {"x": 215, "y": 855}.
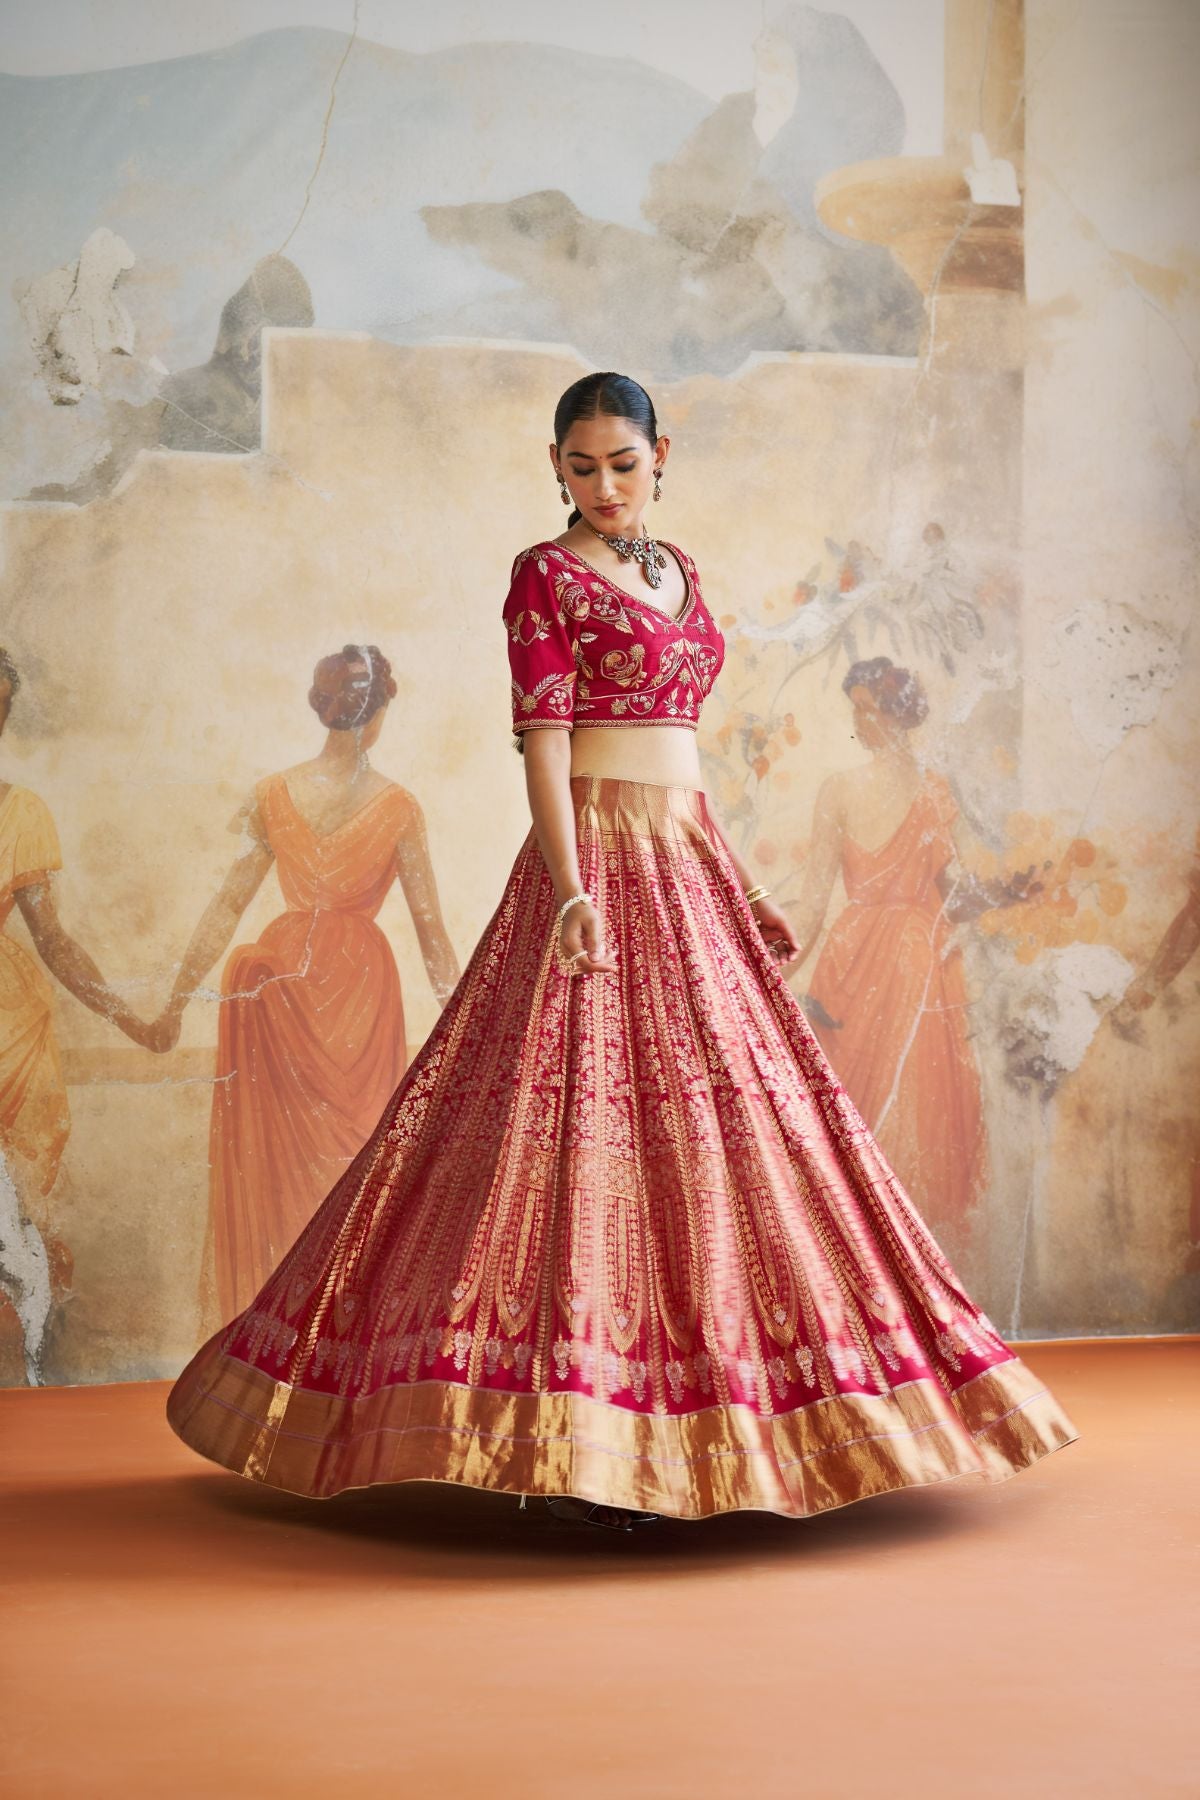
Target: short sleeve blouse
{"x": 584, "y": 651}
{"x": 541, "y": 655}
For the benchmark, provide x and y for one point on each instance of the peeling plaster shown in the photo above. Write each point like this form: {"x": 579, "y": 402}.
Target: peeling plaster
{"x": 74, "y": 318}
{"x": 1114, "y": 664}
{"x": 24, "y": 1275}
{"x": 992, "y": 180}
{"x": 1047, "y": 1027}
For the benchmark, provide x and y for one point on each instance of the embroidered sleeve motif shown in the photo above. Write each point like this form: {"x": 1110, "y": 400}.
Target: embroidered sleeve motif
{"x": 583, "y": 652}
{"x": 541, "y": 653}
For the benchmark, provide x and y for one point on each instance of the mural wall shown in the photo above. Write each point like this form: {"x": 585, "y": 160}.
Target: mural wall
{"x": 287, "y": 320}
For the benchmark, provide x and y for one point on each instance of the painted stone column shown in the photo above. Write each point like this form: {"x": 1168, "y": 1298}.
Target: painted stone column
{"x": 955, "y": 223}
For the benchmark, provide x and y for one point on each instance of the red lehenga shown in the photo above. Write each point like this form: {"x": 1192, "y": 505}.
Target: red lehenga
{"x": 622, "y": 1235}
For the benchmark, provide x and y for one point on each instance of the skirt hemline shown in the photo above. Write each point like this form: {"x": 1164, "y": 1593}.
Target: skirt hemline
{"x": 818, "y": 1457}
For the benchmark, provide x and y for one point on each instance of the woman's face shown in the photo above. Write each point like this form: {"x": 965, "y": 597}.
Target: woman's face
{"x": 870, "y": 728}
{"x": 608, "y": 467}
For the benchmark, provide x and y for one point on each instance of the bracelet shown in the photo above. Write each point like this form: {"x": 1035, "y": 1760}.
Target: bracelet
{"x": 568, "y": 904}
{"x": 756, "y": 893}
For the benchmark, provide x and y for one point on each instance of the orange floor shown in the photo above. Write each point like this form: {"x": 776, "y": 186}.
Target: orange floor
{"x": 172, "y": 1630}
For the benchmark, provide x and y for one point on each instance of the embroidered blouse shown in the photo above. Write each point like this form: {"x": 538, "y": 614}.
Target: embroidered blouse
{"x": 583, "y": 651}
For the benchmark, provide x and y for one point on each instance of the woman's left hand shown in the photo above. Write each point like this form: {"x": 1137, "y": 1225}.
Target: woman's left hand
{"x": 778, "y": 935}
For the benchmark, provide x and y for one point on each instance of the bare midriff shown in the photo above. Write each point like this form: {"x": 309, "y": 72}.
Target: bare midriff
{"x": 658, "y": 753}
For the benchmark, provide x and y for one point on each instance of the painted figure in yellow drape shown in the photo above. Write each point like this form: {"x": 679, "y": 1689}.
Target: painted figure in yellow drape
{"x": 311, "y": 1036}
{"x": 887, "y": 995}
{"x": 35, "y": 1268}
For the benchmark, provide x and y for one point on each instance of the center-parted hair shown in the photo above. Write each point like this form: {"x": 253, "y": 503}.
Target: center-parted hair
{"x": 604, "y": 393}
{"x": 350, "y": 687}
{"x": 897, "y": 692}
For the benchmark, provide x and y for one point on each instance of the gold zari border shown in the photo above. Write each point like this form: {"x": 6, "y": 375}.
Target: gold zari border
{"x": 718, "y": 1459}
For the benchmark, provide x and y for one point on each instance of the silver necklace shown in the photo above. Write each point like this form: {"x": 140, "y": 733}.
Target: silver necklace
{"x": 642, "y": 549}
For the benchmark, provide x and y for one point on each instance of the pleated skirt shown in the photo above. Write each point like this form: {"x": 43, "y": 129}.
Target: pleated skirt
{"x": 620, "y": 1235}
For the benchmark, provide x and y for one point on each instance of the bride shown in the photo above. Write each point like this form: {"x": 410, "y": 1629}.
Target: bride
{"x": 619, "y": 1238}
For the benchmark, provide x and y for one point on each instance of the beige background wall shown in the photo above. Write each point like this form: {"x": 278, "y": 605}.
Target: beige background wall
{"x": 845, "y": 349}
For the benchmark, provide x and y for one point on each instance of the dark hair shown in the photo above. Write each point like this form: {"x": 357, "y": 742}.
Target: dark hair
{"x": 350, "y": 687}
{"x": 8, "y": 672}
{"x": 606, "y": 393}
{"x": 897, "y": 692}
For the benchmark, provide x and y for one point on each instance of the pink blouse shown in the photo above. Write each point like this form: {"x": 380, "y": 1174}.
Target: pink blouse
{"x": 583, "y": 651}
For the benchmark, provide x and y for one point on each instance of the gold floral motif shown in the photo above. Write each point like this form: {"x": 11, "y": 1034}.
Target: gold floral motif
{"x": 554, "y": 689}
{"x": 623, "y": 666}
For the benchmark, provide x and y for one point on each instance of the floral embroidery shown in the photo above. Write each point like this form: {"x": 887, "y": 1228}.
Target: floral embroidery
{"x": 777, "y": 1370}
{"x": 341, "y": 1359}
{"x": 552, "y": 691}
{"x": 956, "y": 1343}
{"x": 582, "y": 651}
{"x": 275, "y": 1336}
{"x": 622, "y": 666}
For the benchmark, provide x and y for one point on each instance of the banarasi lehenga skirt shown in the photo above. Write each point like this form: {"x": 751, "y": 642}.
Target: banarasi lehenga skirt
{"x": 619, "y": 1235}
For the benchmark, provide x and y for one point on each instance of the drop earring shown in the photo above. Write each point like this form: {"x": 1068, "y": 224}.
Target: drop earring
{"x": 657, "y": 489}
{"x": 562, "y": 488}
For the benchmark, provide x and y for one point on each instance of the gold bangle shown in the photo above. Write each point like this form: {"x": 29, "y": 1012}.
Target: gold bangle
{"x": 756, "y": 893}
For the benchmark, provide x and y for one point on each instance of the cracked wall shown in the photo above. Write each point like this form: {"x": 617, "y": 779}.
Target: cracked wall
{"x": 946, "y": 403}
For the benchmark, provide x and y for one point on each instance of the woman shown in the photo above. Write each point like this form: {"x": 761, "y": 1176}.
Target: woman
{"x": 619, "y": 1238}
{"x": 35, "y": 1120}
{"x": 310, "y": 1038}
{"x": 890, "y": 993}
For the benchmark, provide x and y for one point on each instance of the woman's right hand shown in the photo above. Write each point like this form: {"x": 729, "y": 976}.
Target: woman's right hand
{"x": 582, "y": 929}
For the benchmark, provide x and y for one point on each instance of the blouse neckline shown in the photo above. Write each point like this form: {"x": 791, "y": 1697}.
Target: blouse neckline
{"x": 675, "y": 619}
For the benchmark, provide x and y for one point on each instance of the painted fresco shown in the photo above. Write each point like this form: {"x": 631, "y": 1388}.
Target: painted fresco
{"x": 283, "y": 383}
{"x": 310, "y": 1026}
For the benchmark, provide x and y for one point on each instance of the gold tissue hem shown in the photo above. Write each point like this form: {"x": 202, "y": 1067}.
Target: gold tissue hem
{"x": 718, "y": 1459}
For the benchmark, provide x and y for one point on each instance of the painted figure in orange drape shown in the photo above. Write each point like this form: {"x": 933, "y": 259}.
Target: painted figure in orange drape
{"x": 35, "y": 1122}
{"x": 887, "y": 995}
{"x": 311, "y": 1038}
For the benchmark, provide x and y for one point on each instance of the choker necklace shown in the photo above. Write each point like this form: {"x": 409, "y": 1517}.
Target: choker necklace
{"x": 643, "y": 550}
